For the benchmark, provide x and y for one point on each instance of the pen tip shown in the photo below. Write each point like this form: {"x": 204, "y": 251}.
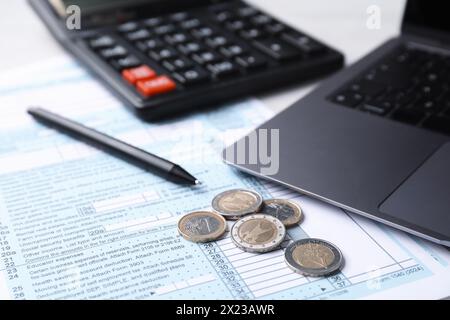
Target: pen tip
{"x": 197, "y": 182}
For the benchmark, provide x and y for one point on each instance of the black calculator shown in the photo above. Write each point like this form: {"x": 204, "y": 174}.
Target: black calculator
{"x": 162, "y": 57}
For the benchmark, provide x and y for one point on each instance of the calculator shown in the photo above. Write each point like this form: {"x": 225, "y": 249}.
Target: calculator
{"x": 162, "y": 57}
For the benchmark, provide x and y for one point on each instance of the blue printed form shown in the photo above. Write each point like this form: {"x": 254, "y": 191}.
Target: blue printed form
{"x": 76, "y": 223}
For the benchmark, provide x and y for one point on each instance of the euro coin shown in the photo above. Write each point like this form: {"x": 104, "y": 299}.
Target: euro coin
{"x": 258, "y": 233}
{"x": 202, "y": 226}
{"x": 286, "y": 211}
{"x": 313, "y": 257}
{"x": 237, "y": 203}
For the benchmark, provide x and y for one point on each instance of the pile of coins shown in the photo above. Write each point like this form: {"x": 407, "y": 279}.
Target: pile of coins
{"x": 261, "y": 227}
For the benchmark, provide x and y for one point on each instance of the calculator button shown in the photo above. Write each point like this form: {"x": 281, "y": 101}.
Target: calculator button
{"x": 141, "y": 73}
{"x": 190, "y": 24}
{"x": 304, "y": 43}
{"x": 101, "y": 42}
{"x": 203, "y": 32}
{"x": 114, "y": 52}
{"x": 176, "y": 38}
{"x": 246, "y": 12}
{"x": 206, "y": 57}
{"x": 164, "y": 29}
{"x": 177, "y": 64}
{"x": 222, "y": 69}
{"x": 179, "y": 16}
{"x": 138, "y": 35}
{"x": 150, "y": 44}
{"x": 277, "y": 49}
{"x": 192, "y": 76}
{"x": 153, "y": 22}
{"x": 261, "y": 19}
{"x": 190, "y": 47}
{"x": 159, "y": 85}
{"x": 252, "y": 33}
{"x": 232, "y": 50}
{"x": 251, "y": 61}
{"x": 218, "y": 41}
{"x": 236, "y": 25}
{"x": 126, "y": 63}
{"x": 163, "y": 54}
{"x": 128, "y": 27}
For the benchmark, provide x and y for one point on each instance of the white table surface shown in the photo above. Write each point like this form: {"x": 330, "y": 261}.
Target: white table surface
{"x": 341, "y": 24}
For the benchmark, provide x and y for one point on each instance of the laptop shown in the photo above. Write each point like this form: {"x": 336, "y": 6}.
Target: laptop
{"x": 374, "y": 139}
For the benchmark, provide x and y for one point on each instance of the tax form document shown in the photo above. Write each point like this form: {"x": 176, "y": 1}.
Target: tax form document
{"x": 76, "y": 223}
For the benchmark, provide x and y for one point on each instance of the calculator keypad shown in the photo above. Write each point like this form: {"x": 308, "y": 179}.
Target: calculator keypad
{"x": 171, "y": 53}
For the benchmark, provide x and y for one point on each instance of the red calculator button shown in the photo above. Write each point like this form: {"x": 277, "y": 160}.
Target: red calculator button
{"x": 159, "y": 85}
{"x": 134, "y": 75}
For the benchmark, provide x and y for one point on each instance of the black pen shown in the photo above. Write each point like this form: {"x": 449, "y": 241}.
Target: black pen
{"x": 138, "y": 156}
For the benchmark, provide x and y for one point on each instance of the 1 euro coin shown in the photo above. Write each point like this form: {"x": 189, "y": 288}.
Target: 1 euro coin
{"x": 202, "y": 226}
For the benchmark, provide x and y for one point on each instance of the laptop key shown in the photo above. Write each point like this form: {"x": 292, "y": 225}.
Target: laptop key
{"x": 378, "y": 106}
{"x": 277, "y": 49}
{"x": 411, "y": 116}
{"x": 438, "y": 123}
{"x": 192, "y": 76}
{"x": 275, "y": 28}
{"x": 348, "y": 99}
{"x": 203, "y": 32}
{"x": 224, "y": 16}
{"x": 190, "y": 24}
{"x": 179, "y": 16}
{"x": 367, "y": 87}
{"x": 236, "y": 25}
{"x": 246, "y": 12}
{"x": 261, "y": 19}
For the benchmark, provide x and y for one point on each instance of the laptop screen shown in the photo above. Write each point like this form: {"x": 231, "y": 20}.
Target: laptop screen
{"x": 425, "y": 14}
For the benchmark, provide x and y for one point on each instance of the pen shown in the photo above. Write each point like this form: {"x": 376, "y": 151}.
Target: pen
{"x": 138, "y": 156}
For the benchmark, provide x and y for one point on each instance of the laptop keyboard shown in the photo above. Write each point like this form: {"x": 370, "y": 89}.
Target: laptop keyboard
{"x": 410, "y": 85}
